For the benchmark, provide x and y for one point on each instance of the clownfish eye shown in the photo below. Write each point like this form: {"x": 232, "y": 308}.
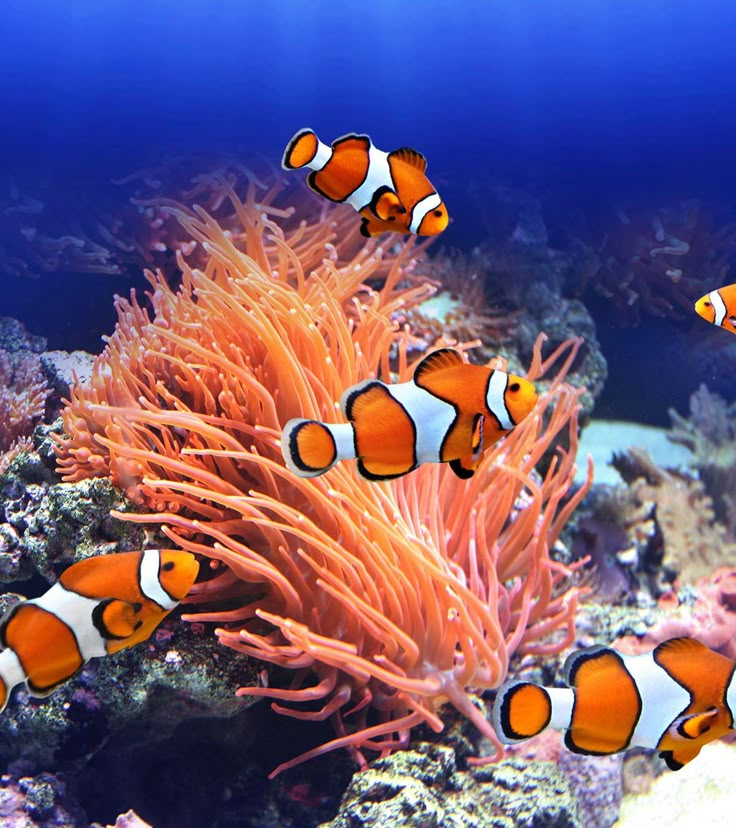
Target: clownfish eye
{"x": 438, "y": 213}
{"x": 168, "y": 566}
{"x": 706, "y": 304}
{"x": 514, "y": 386}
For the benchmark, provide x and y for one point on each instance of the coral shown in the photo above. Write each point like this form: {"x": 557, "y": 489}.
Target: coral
{"x": 596, "y": 783}
{"x": 689, "y": 542}
{"x": 46, "y": 525}
{"x": 423, "y": 787}
{"x": 703, "y": 796}
{"x": 23, "y": 393}
{"x": 657, "y": 260}
{"x": 36, "y": 801}
{"x": 709, "y": 432}
{"x": 706, "y": 612}
{"x": 387, "y": 599}
{"x": 614, "y": 535}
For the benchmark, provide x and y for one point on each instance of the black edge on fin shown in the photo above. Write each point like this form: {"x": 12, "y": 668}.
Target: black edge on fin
{"x": 410, "y": 156}
{"x": 285, "y": 162}
{"x": 460, "y": 470}
{"x": 312, "y": 184}
{"x": 670, "y": 760}
{"x": 430, "y": 362}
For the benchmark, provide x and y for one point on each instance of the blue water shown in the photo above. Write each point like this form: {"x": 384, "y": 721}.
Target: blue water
{"x": 616, "y": 93}
{"x": 597, "y": 100}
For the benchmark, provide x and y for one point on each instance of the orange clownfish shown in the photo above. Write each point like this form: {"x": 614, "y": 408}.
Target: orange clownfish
{"x": 389, "y": 189}
{"x": 719, "y": 307}
{"x": 674, "y": 699}
{"x": 448, "y": 413}
{"x": 98, "y": 606}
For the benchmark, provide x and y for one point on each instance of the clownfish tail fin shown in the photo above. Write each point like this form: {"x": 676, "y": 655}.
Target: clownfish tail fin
{"x": 521, "y": 710}
{"x": 303, "y": 151}
{"x": 311, "y": 448}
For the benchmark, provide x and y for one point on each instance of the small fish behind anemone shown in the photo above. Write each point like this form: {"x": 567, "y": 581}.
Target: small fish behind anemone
{"x": 719, "y": 307}
{"x": 99, "y": 606}
{"x": 389, "y": 189}
{"x": 450, "y": 412}
{"x": 674, "y": 699}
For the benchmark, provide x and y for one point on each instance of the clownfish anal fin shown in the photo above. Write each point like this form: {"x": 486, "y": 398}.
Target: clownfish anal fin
{"x": 369, "y": 228}
{"x": 385, "y": 204}
{"x": 116, "y": 620}
{"x": 696, "y": 724}
{"x": 678, "y": 758}
{"x": 437, "y": 361}
{"x": 461, "y": 468}
{"x": 410, "y": 156}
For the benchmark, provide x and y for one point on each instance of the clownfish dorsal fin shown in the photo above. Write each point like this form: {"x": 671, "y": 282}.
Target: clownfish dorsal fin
{"x": 116, "y": 619}
{"x": 679, "y": 647}
{"x": 437, "y": 361}
{"x": 693, "y": 726}
{"x": 410, "y": 156}
{"x": 386, "y": 205}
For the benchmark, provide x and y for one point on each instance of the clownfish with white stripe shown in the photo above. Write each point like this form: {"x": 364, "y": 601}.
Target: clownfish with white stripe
{"x": 674, "y": 699}
{"x": 389, "y": 189}
{"x": 719, "y": 307}
{"x": 98, "y": 606}
{"x": 448, "y": 413}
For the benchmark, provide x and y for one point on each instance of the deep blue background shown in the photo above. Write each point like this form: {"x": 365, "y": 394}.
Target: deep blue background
{"x": 598, "y": 100}
{"x": 614, "y": 93}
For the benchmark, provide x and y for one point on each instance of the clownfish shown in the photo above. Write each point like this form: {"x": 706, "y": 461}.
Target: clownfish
{"x": 97, "y": 607}
{"x": 389, "y": 189}
{"x": 719, "y": 307}
{"x": 448, "y": 413}
{"x": 674, "y": 699}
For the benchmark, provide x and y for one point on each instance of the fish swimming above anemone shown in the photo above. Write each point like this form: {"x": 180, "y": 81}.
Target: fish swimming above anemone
{"x": 719, "y": 307}
{"x": 674, "y": 699}
{"x": 449, "y": 412}
{"x": 99, "y": 606}
{"x": 390, "y": 190}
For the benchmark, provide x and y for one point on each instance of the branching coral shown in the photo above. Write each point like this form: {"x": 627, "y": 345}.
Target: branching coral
{"x": 23, "y": 393}
{"x": 710, "y": 434}
{"x": 387, "y": 599}
{"x": 656, "y": 260}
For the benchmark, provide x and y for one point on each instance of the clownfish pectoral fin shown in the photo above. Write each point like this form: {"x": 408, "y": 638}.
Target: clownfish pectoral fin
{"x": 678, "y": 758}
{"x": 521, "y": 710}
{"x": 386, "y": 205}
{"x": 694, "y": 725}
{"x": 464, "y": 467}
{"x": 410, "y": 156}
{"x": 437, "y": 361}
{"x": 116, "y": 619}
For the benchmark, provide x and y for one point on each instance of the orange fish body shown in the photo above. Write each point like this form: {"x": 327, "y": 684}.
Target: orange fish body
{"x": 675, "y": 699}
{"x": 719, "y": 307}
{"x": 390, "y": 190}
{"x": 99, "y": 606}
{"x": 448, "y": 413}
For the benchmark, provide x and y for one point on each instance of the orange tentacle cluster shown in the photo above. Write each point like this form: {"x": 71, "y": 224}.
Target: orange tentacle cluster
{"x": 396, "y": 596}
